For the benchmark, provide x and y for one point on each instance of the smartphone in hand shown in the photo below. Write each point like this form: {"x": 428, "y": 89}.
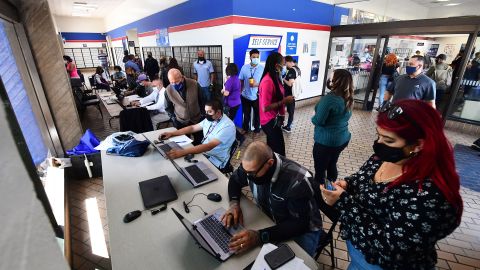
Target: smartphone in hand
{"x": 329, "y": 185}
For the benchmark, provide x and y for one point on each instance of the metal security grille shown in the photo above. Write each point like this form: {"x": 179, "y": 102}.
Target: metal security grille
{"x": 118, "y": 55}
{"x": 86, "y": 57}
{"x": 157, "y": 52}
{"x": 186, "y": 55}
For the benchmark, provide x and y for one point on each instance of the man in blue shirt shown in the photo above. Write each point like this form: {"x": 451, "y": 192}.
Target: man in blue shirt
{"x": 131, "y": 64}
{"x": 413, "y": 85}
{"x": 218, "y": 136}
{"x": 204, "y": 74}
{"x": 250, "y": 76}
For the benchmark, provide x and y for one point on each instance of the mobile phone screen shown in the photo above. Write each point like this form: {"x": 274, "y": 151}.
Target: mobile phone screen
{"x": 329, "y": 185}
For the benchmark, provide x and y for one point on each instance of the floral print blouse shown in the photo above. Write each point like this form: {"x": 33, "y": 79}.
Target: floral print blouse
{"x": 394, "y": 228}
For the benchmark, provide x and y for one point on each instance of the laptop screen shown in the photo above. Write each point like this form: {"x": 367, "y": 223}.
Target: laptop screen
{"x": 189, "y": 226}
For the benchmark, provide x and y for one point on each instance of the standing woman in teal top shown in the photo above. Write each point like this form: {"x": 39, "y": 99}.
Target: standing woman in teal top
{"x": 331, "y": 117}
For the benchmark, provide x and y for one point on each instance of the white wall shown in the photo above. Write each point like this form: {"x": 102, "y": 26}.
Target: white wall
{"x": 148, "y": 41}
{"x": 80, "y": 24}
{"x": 450, "y": 46}
{"x": 27, "y": 240}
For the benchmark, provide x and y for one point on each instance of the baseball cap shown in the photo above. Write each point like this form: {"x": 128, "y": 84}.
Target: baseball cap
{"x": 142, "y": 77}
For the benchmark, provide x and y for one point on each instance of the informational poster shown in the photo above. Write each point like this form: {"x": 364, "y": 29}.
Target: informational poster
{"x": 292, "y": 38}
{"x": 313, "y": 48}
{"x": 162, "y": 37}
{"x": 305, "y": 48}
{"x": 314, "y": 71}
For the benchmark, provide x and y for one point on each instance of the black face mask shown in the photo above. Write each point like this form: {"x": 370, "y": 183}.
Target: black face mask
{"x": 201, "y": 59}
{"x": 388, "y": 153}
{"x": 266, "y": 178}
{"x": 209, "y": 118}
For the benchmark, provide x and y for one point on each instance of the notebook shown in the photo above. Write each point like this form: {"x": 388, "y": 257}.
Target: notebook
{"x": 157, "y": 191}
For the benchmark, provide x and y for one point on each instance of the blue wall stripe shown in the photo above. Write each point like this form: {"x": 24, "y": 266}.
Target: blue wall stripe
{"x": 306, "y": 11}
{"x": 83, "y": 36}
{"x": 18, "y": 97}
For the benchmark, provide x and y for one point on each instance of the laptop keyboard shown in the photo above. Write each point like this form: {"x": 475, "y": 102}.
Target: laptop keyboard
{"x": 196, "y": 173}
{"x": 216, "y": 230}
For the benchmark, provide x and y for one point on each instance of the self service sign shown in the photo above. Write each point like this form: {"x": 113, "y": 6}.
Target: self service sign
{"x": 292, "y": 38}
{"x": 265, "y": 42}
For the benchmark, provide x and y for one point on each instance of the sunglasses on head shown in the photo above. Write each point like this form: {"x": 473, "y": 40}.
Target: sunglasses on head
{"x": 393, "y": 111}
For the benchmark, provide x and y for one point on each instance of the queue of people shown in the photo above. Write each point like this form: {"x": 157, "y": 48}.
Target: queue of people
{"x": 393, "y": 210}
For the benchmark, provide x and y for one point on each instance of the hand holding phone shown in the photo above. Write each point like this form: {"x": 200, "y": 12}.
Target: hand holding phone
{"x": 329, "y": 185}
{"x": 279, "y": 256}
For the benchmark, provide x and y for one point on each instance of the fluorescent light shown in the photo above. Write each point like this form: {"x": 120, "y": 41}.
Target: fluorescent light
{"x": 442, "y": 0}
{"x": 452, "y": 4}
{"x": 95, "y": 228}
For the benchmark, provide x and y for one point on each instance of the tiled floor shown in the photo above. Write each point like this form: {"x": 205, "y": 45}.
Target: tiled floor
{"x": 459, "y": 251}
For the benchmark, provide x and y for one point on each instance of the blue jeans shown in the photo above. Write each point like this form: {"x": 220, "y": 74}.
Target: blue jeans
{"x": 309, "y": 241}
{"x": 382, "y": 86}
{"x": 206, "y": 95}
{"x": 358, "y": 261}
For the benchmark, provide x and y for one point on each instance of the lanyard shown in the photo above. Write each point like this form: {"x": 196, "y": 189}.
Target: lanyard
{"x": 211, "y": 128}
{"x": 252, "y": 73}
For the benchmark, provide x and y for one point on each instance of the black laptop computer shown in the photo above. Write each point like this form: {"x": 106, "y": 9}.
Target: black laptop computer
{"x": 157, "y": 191}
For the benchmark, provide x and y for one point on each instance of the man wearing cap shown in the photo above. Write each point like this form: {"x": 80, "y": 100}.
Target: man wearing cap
{"x": 155, "y": 102}
{"x": 143, "y": 89}
{"x": 184, "y": 103}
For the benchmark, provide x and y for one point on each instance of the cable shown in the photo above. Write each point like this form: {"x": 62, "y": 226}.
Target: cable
{"x": 205, "y": 213}
{"x": 195, "y": 195}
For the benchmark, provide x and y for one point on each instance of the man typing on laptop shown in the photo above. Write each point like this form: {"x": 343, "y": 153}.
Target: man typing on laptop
{"x": 218, "y": 136}
{"x": 283, "y": 190}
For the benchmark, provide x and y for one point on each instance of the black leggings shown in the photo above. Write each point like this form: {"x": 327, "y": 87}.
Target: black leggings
{"x": 274, "y": 137}
{"x": 325, "y": 160}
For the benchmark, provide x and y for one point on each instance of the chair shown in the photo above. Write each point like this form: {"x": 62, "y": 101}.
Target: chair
{"x": 93, "y": 84}
{"x": 84, "y": 100}
{"x": 228, "y": 169}
{"x": 326, "y": 239}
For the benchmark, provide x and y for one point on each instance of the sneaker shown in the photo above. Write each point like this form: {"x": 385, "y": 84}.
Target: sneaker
{"x": 287, "y": 129}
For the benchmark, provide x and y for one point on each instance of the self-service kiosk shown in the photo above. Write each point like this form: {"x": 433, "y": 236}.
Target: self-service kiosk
{"x": 265, "y": 44}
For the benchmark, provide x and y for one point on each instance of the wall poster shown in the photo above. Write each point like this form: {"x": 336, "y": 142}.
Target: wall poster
{"x": 314, "y": 71}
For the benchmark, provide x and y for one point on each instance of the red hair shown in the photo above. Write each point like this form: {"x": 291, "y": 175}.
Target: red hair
{"x": 391, "y": 59}
{"x": 435, "y": 161}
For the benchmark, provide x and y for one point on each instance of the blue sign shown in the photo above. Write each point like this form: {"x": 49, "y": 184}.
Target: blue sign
{"x": 162, "y": 38}
{"x": 292, "y": 38}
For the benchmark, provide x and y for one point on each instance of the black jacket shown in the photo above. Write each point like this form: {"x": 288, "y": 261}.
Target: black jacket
{"x": 289, "y": 199}
{"x": 151, "y": 67}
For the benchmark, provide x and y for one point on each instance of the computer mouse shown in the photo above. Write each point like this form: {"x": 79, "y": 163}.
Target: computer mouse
{"x": 132, "y": 216}
{"x": 214, "y": 197}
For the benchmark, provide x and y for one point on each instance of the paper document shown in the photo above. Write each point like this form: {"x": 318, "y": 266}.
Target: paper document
{"x": 181, "y": 140}
{"x": 133, "y": 97}
{"x": 261, "y": 264}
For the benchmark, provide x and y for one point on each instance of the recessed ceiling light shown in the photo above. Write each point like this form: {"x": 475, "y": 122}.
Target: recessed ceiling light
{"x": 452, "y": 4}
{"x": 437, "y": 1}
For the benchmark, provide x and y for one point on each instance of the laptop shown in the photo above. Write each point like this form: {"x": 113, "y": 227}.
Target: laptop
{"x": 210, "y": 234}
{"x": 157, "y": 191}
{"x": 164, "y": 147}
{"x": 197, "y": 174}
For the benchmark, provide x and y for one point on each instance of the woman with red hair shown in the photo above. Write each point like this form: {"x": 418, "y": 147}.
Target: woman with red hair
{"x": 389, "y": 67}
{"x": 405, "y": 197}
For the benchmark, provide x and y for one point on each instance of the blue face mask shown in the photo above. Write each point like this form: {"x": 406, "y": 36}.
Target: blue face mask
{"x": 177, "y": 86}
{"x": 410, "y": 70}
{"x": 255, "y": 61}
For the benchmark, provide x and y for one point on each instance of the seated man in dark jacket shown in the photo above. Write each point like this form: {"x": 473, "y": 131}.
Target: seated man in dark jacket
{"x": 283, "y": 189}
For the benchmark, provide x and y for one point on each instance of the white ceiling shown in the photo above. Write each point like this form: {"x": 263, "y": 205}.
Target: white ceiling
{"x": 66, "y": 7}
{"x": 442, "y": 3}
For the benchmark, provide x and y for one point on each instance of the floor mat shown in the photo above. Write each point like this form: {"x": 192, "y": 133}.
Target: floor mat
{"x": 467, "y": 161}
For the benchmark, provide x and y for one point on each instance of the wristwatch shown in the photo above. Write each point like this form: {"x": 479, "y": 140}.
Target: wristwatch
{"x": 265, "y": 237}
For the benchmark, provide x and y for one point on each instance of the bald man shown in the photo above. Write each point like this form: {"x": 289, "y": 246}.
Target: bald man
{"x": 204, "y": 74}
{"x": 283, "y": 189}
{"x": 184, "y": 103}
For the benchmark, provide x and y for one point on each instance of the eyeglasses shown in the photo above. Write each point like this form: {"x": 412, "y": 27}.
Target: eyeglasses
{"x": 393, "y": 111}
{"x": 253, "y": 174}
